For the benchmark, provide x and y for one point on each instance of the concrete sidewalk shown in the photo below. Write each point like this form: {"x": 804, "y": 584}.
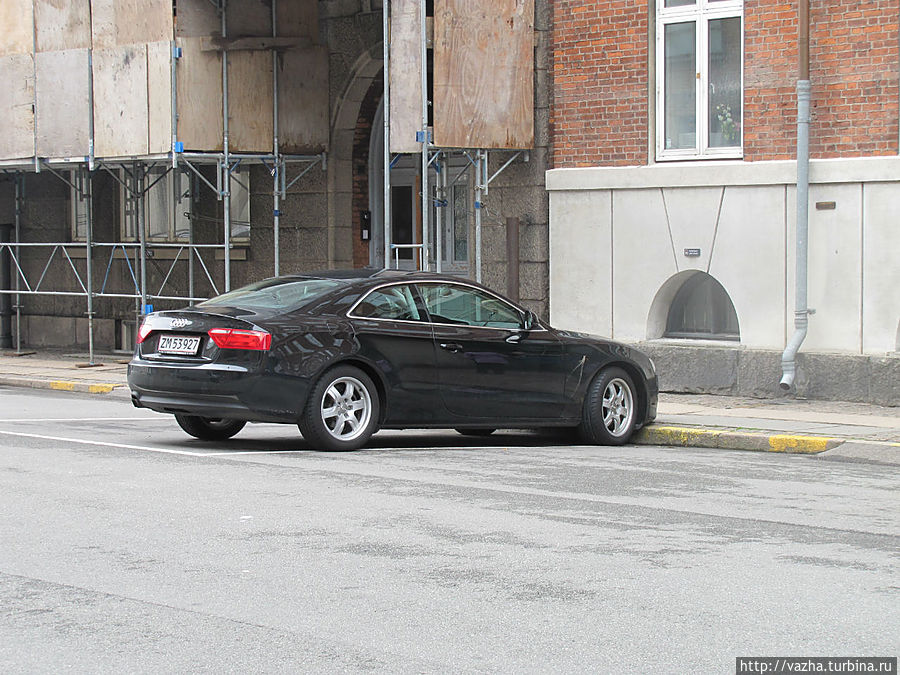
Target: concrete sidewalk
{"x": 829, "y": 429}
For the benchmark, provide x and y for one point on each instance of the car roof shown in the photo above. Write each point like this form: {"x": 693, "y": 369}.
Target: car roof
{"x": 368, "y": 277}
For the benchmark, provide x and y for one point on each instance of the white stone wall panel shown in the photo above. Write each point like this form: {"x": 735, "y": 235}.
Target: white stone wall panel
{"x": 581, "y": 262}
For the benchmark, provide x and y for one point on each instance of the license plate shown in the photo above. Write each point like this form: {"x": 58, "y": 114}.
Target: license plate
{"x": 178, "y": 344}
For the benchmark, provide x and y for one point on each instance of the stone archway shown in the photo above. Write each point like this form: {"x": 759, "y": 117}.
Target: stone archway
{"x": 343, "y": 216}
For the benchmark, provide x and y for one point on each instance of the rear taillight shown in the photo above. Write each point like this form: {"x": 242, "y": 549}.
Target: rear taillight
{"x": 143, "y": 332}
{"x": 232, "y": 338}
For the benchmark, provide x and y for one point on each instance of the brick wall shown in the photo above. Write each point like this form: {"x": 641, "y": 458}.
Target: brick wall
{"x": 600, "y": 102}
{"x": 361, "y": 137}
{"x": 854, "y": 71}
{"x": 600, "y": 65}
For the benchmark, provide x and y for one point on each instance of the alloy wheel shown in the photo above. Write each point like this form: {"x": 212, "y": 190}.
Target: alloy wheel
{"x": 346, "y": 408}
{"x": 617, "y": 407}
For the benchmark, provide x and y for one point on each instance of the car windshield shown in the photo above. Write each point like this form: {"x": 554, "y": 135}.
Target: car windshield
{"x": 283, "y": 294}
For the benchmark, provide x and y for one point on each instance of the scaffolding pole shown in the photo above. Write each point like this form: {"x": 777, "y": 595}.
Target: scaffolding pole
{"x": 276, "y": 170}
{"x": 387, "y": 132}
{"x": 87, "y": 192}
{"x": 226, "y": 206}
{"x": 426, "y": 211}
{"x": 20, "y": 198}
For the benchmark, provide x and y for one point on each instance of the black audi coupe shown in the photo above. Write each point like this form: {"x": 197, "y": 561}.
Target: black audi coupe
{"x": 343, "y": 354}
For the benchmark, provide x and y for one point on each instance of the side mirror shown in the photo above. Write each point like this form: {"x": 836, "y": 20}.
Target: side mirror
{"x": 529, "y": 321}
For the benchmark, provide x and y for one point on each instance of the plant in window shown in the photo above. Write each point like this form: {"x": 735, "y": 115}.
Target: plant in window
{"x": 726, "y": 123}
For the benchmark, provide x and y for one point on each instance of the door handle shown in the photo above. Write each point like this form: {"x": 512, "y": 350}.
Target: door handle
{"x": 514, "y": 338}
{"x": 452, "y": 346}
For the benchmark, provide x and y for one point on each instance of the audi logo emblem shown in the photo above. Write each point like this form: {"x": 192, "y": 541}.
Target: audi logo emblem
{"x": 181, "y": 323}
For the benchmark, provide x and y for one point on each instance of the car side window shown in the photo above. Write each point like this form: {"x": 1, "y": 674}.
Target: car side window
{"x": 448, "y": 303}
{"x": 394, "y": 302}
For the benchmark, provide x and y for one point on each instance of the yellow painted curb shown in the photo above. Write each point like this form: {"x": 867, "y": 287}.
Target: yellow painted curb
{"x": 101, "y": 388}
{"x": 693, "y": 437}
{"x": 800, "y": 444}
{"x": 62, "y": 386}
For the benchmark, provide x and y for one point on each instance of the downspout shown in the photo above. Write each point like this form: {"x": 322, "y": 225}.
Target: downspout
{"x": 801, "y": 311}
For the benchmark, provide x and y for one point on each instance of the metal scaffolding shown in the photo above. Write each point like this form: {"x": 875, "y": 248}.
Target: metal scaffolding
{"x": 133, "y": 175}
{"x": 433, "y": 159}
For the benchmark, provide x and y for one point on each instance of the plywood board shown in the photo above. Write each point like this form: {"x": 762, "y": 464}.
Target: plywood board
{"x": 16, "y": 27}
{"x": 63, "y": 104}
{"x": 298, "y": 18}
{"x": 17, "y": 106}
{"x": 250, "y": 102}
{"x": 406, "y": 75}
{"x": 197, "y": 18}
{"x": 120, "y": 101}
{"x": 249, "y": 18}
{"x": 198, "y": 80}
{"x": 62, "y": 24}
{"x": 123, "y": 22}
{"x": 303, "y": 101}
{"x": 484, "y": 74}
{"x": 159, "y": 96}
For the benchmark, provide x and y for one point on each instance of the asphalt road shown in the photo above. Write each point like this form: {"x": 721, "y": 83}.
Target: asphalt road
{"x": 125, "y": 545}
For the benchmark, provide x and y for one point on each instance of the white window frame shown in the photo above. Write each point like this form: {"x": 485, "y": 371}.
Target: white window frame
{"x": 701, "y": 13}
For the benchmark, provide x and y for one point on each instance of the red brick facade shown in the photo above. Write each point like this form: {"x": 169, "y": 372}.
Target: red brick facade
{"x": 601, "y": 69}
{"x": 600, "y": 98}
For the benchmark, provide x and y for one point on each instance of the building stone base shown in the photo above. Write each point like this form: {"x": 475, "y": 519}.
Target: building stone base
{"x": 737, "y": 371}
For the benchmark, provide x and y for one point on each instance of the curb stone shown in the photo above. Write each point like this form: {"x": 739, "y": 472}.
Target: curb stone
{"x": 695, "y": 437}
{"x": 64, "y": 385}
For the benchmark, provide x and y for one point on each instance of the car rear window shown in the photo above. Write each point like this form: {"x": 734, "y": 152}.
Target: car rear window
{"x": 283, "y": 294}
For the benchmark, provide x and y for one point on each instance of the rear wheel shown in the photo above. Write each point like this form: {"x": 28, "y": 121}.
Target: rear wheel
{"x": 479, "y": 433}
{"x": 209, "y": 428}
{"x": 610, "y": 408}
{"x": 342, "y": 410}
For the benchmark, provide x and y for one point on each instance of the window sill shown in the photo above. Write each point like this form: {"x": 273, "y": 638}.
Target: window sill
{"x": 700, "y": 158}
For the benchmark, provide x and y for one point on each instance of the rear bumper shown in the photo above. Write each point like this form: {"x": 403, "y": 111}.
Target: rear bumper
{"x": 210, "y": 390}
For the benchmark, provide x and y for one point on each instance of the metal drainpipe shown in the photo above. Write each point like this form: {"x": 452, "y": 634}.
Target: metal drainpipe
{"x": 801, "y": 311}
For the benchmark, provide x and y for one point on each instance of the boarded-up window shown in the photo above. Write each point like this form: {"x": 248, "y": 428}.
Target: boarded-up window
{"x": 484, "y": 73}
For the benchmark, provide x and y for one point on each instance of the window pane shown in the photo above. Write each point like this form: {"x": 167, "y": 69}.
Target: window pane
{"x": 274, "y": 294}
{"x": 702, "y": 309}
{"x": 240, "y": 204}
{"x": 395, "y": 302}
{"x": 725, "y": 82}
{"x": 681, "y": 88}
{"x": 458, "y": 305}
{"x": 158, "y": 214}
{"x": 79, "y": 211}
{"x": 182, "y": 196}
{"x": 678, "y": 3}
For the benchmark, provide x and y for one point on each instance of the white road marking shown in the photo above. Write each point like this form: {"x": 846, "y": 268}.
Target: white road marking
{"x": 83, "y": 441}
{"x": 145, "y": 448}
{"x": 84, "y": 419}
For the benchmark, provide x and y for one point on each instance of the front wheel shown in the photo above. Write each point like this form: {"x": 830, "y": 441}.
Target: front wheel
{"x": 610, "y": 408}
{"x": 342, "y": 410}
{"x": 209, "y": 428}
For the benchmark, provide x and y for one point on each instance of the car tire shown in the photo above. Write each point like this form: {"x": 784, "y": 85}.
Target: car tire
{"x": 209, "y": 428}
{"x": 478, "y": 433}
{"x": 342, "y": 410}
{"x": 610, "y": 408}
